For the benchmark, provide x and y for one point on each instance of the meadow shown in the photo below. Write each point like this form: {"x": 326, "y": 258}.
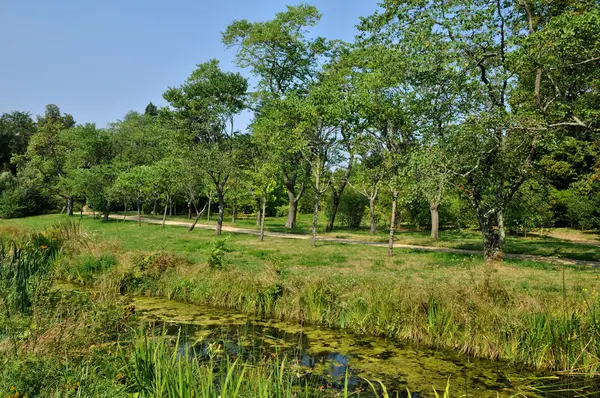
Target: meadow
{"x": 559, "y": 242}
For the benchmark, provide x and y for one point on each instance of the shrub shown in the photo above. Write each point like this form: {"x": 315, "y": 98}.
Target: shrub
{"x": 216, "y": 256}
{"x": 351, "y": 210}
{"x": 155, "y": 265}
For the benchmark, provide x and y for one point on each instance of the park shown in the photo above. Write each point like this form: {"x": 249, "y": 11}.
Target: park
{"x": 414, "y": 213}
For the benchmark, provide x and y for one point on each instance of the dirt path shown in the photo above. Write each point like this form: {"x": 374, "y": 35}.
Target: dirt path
{"x": 227, "y": 228}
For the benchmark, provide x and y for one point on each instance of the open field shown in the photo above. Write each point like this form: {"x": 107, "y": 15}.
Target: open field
{"x": 560, "y": 243}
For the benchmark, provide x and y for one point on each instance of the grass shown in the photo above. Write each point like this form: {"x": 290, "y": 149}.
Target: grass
{"x": 572, "y": 244}
{"x": 83, "y": 344}
{"x": 524, "y": 312}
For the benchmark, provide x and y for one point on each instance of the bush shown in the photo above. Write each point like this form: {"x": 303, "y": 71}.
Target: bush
{"x": 216, "y": 256}
{"x": 351, "y": 210}
{"x": 18, "y": 199}
{"x": 155, "y": 265}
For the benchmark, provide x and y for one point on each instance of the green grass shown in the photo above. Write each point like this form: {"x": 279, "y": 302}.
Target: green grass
{"x": 524, "y": 312}
{"x": 468, "y": 239}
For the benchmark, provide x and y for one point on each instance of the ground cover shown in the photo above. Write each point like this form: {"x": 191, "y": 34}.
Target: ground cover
{"x": 525, "y": 312}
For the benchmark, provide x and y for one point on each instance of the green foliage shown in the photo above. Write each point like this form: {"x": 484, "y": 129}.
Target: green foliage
{"x": 24, "y": 266}
{"x": 216, "y": 255}
{"x": 16, "y": 129}
{"x": 530, "y": 210}
{"x": 352, "y": 209}
{"x": 87, "y": 268}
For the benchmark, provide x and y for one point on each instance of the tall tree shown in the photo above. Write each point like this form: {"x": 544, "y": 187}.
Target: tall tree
{"x": 44, "y": 160}
{"x": 16, "y": 128}
{"x": 367, "y": 178}
{"x": 285, "y": 60}
{"x": 202, "y": 110}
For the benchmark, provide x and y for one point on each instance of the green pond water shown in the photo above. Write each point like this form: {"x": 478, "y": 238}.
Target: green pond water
{"x": 327, "y": 354}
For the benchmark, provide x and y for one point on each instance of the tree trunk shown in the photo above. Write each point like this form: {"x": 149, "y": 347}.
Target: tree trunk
{"x": 262, "y": 217}
{"x": 165, "y": 214}
{"x": 105, "y": 216}
{"x": 198, "y": 215}
{"x": 233, "y": 212}
{"x": 501, "y": 230}
{"x": 209, "y": 204}
{"x": 155, "y": 209}
{"x": 139, "y": 211}
{"x": 315, "y": 219}
{"x": 170, "y": 208}
{"x": 69, "y": 206}
{"x": 372, "y": 215}
{"x": 258, "y": 216}
{"x": 189, "y": 209}
{"x": 492, "y": 246}
{"x": 125, "y": 212}
{"x": 221, "y": 199}
{"x": 435, "y": 220}
{"x": 392, "y": 222}
{"x": 336, "y": 204}
{"x": 292, "y": 211}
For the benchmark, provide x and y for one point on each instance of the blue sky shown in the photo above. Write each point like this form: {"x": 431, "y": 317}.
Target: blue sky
{"x": 99, "y": 59}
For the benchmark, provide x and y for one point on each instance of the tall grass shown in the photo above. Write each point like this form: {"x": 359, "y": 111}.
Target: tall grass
{"x": 486, "y": 319}
{"x": 156, "y": 368}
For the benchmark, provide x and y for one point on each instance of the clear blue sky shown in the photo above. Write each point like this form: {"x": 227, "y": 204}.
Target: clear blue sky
{"x": 99, "y": 59}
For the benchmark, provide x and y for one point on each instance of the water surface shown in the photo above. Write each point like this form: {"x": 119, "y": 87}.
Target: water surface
{"x": 329, "y": 353}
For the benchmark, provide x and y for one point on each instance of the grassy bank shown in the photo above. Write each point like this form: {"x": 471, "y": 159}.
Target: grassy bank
{"x": 63, "y": 343}
{"x": 523, "y": 312}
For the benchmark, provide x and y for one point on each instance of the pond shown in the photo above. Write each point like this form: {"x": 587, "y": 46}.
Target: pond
{"x": 329, "y": 354}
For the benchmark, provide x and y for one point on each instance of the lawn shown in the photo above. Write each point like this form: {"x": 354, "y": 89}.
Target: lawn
{"x": 561, "y": 243}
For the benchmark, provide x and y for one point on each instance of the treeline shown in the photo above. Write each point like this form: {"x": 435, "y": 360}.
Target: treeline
{"x": 482, "y": 112}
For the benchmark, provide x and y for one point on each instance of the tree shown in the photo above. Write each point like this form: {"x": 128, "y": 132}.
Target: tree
{"x": 16, "y": 128}
{"x": 90, "y": 165}
{"x": 501, "y": 61}
{"x": 367, "y": 180}
{"x": 336, "y": 98}
{"x": 44, "y": 161}
{"x": 285, "y": 61}
{"x": 134, "y": 185}
{"x": 431, "y": 174}
{"x": 202, "y": 112}
{"x": 260, "y": 171}
{"x": 151, "y": 110}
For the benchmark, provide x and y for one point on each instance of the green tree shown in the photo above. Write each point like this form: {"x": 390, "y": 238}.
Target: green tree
{"x": 151, "y": 110}
{"x": 367, "y": 179}
{"x": 202, "y": 111}
{"x": 16, "y": 128}
{"x": 285, "y": 60}
{"x": 90, "y": 165}
{"x": 44, "y": 161}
